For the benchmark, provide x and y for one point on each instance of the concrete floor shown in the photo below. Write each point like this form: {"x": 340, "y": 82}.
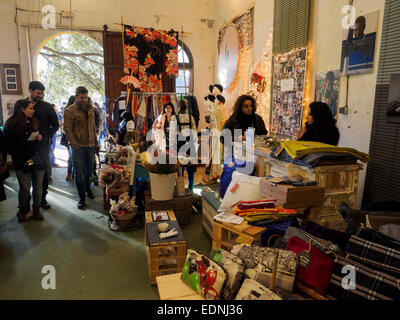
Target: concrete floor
{"x": 91, "y": 262}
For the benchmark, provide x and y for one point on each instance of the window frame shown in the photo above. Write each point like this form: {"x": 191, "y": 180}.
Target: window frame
{"x": 189, "y": 66}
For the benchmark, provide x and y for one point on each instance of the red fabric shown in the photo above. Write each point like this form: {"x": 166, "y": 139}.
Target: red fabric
{"x": 258, "y": 204}
{"x": 319, "y": 273}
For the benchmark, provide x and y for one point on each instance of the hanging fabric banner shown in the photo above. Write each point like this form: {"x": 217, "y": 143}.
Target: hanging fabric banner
{"x": 148, "y": 53}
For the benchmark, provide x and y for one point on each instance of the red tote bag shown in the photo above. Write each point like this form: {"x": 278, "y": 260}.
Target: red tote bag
{"x": 319, "y": 272}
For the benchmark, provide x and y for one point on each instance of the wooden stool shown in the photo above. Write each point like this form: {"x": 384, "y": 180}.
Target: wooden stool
{"x": 223, "y": 234}
{"x": 164, "y": 257}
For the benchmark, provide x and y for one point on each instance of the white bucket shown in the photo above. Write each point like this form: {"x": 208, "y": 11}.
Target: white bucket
{"x": 162, "y": 186}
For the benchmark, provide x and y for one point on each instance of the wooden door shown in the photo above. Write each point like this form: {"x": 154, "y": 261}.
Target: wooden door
{"x": 113, "y": 71}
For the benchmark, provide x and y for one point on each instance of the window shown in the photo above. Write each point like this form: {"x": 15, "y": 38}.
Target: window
{"x": 185, "y": 61}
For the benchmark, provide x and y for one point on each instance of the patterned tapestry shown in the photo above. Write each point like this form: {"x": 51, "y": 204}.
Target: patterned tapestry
{"x": 148, "y": 54}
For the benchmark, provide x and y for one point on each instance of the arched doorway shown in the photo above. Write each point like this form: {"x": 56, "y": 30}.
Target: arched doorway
{"x": 64, "y": 61}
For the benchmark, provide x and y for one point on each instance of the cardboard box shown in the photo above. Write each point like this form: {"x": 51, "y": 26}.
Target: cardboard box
{"x": 291, "y": 197}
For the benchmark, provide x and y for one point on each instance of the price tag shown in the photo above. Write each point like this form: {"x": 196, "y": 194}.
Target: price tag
{"x": 304, "y": 259}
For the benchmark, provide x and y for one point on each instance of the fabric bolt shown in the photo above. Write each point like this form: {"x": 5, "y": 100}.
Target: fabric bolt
{"x": 374, "y": 254}
{"x": 25, "y": 179}
{"x": 335, "y": 236}
{"x": 377, "y": 237}
{"x": 370, "y": 284}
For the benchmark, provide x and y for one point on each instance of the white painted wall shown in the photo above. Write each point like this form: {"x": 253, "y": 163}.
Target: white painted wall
{"x": 326, "y": 36}
{"x": 196, "y": 17}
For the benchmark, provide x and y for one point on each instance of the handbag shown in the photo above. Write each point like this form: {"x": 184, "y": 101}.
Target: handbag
{"x": 253, "y": 290}
{"x": 315, "y": 268}
{"x": 335, "y": 236}
{"x": 330, "y": 249}
{"x": 369, "y": 284}
{"x": 38, "y": 162}
{"x": 203, "y": 275}
{"x": 274, "y": 229}
{"x": 259, "y": 263}
{"x": 234, "y": 267}
{"x": 374, "y": 254}
{"x": 64, "y": 141}
{"x": 377, "y": 237}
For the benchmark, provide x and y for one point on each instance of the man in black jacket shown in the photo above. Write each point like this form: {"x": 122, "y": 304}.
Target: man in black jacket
{"x": 48, "y": 126}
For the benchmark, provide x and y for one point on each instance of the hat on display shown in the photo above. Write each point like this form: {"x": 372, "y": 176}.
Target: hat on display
{"x": 218, "y": 89}
{"x": 211, "y": 88}
{"x": 211, "y": 98}
{"x": 221, "y": 99}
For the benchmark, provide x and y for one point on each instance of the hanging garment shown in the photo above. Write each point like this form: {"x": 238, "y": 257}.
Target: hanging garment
{"x": 193, "y": 108}
{"x": 174, "y": 101}
{"x": 142, "y": 111}
{"x": 148, "y": 53}
{"x": 116, "y": 114}
{"x": 150, "y": 112}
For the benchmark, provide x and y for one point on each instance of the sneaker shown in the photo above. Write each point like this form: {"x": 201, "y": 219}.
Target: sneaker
{"x": 45, "y": 205}
{"x": 81, "y": 204}
{"x": 90, "y": 194}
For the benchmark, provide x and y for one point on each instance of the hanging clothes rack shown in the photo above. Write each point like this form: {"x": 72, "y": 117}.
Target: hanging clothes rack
{"x": 156, "y": 93}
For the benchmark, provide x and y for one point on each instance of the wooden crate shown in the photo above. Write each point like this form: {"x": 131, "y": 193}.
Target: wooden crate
{"x": 164, "y": 258}
{"x": 291, "y": 197}
{"x": 226, "y": 235}
{"x": 172, "y": 287}
{"x": 208, "y": 212}
{"x": 113, "y": 193}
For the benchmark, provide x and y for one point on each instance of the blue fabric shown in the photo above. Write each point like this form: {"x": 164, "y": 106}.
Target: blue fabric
{"x": 226, "y": 176}
{"x": 274, "y": 227}
{"x": 211, "y": 198}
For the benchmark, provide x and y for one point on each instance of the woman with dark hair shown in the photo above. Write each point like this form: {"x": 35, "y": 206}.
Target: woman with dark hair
{"x": 320, "y": 125}
{"x": 21, "y": 133}
{"x": 244, "y": 116}
{"x": 163, "y": 122}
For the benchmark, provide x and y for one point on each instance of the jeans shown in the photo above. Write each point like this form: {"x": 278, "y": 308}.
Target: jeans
{"x": 46, "y": 177}
{"x": 69, "y": 160}
{"x": 190, "y": 170}
{"x": 52, "y": 148}
{"x": 82, "y": 159}
{"x": 25, "y": 179}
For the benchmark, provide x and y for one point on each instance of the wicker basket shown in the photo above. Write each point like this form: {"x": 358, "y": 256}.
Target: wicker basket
{"x": 125, "y": 220}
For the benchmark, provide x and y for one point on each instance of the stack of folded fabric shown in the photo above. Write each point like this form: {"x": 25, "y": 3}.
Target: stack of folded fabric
{"x": 261, "y": 210}
{"x": 299, "y": 149}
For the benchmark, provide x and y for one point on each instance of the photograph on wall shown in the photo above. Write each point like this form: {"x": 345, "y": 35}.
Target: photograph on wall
{"x": 288, "y": 92}
{"x": 358, "y": 45}
{"x": 393, "y": 109}
{"x": 327, "y": 89}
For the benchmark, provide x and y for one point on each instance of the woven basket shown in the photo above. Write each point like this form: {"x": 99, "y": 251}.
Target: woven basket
{"x": 125, "y": 220}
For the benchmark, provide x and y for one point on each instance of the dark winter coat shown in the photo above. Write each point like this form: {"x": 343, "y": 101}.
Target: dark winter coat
{"x": 329, "y": 135}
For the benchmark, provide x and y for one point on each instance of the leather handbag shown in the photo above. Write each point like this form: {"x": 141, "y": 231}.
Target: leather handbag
{"x": 330, "y": 249}
{"x": 203, "y": 275}
{"x": 259, "y": 263}
{"x": 315, "y": 268}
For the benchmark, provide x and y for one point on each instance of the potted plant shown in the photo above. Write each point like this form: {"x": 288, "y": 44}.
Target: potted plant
{"x": 162, "y": 173}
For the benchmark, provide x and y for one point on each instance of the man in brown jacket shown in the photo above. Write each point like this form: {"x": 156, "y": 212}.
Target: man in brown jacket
{"x": 80, "y": 129}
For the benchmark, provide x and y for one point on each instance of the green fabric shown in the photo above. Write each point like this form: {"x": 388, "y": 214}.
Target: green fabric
{"x": 299, "y": 149}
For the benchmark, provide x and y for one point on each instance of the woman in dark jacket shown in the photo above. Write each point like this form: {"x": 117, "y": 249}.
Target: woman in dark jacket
{"x": 27, "y": 156}
{"x": 244, "y": 116}
{"x": 320, "y": 125}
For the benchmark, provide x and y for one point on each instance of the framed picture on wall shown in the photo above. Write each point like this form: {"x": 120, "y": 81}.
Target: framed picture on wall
{"x": 358, "y": 45}
{"x": 10, "y": 75}
{"x": 393, "y": 109}
{"x": 327, "y": 89}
